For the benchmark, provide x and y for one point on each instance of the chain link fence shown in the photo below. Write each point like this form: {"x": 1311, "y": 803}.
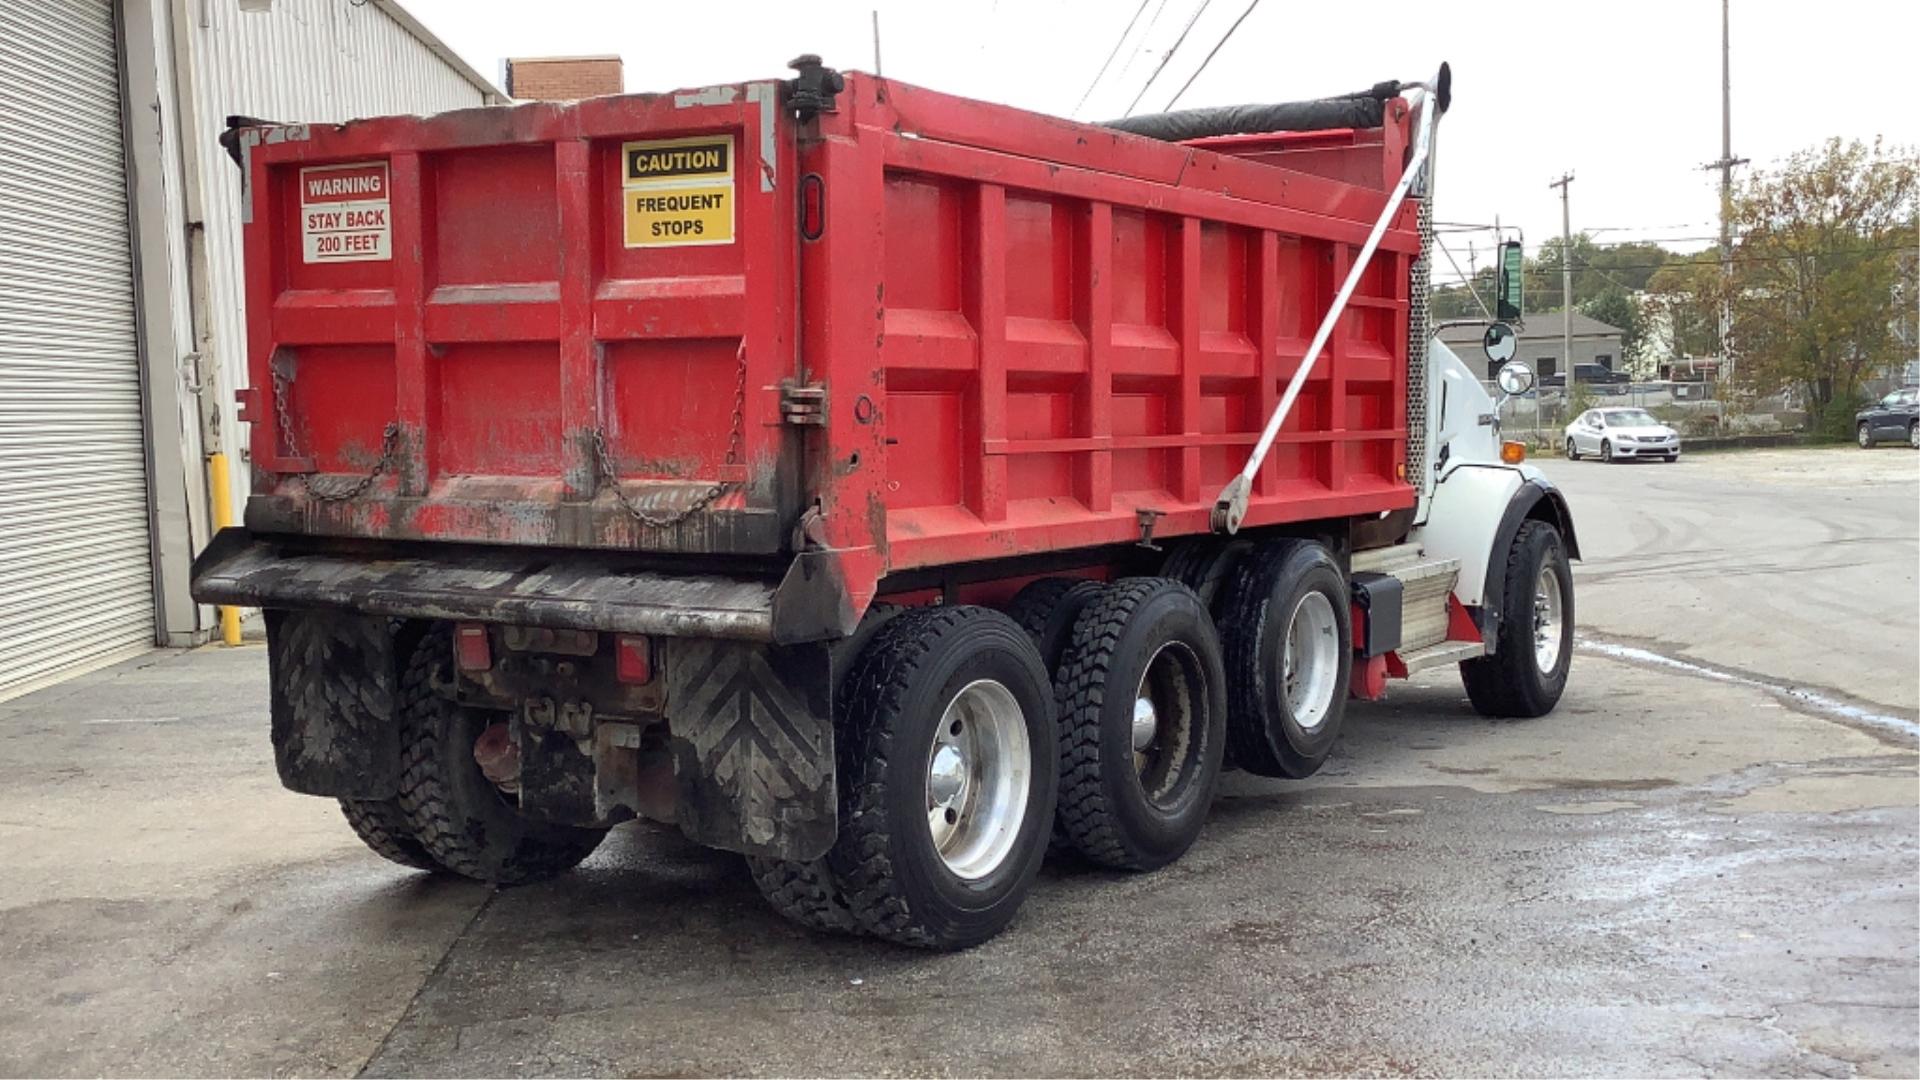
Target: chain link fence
{"x": 1695, "y": 409}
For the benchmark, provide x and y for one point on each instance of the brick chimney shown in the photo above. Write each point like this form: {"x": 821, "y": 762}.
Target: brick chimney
{"x": 564, "y": 78}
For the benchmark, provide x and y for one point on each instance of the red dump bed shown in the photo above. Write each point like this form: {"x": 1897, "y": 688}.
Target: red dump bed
{"x": 917, "y": 330}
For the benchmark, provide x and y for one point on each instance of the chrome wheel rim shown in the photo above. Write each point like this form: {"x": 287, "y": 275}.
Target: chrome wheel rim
{"x": 1163, "y": 722}
{"x": 1548, "y": 620}
{"x": 1913, "y": 436}
{"x": 1572, "y": 450}
{"x": 1862, "y": 435}
{"x": 979, "y": 773}
{"x": 1310, "y": 661}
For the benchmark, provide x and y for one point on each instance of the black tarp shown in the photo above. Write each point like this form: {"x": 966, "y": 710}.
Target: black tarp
{"x": 1362, "y": 110}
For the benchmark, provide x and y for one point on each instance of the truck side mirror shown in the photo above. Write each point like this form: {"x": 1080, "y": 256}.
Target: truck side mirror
{"x": 1506, "y": 304}
{"x": 1499, "y": 343}
{"x": 1515, "y": 378}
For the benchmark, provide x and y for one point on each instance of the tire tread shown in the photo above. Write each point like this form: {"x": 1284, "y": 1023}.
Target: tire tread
{"x": 382, "y": 826}
{"x": 427, "y": 799}
{"x": 1503, "y": 684}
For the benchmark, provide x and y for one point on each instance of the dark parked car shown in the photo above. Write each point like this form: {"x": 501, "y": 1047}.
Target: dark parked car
{"x": 1599, "y": 376}
{"x": 1896, "y": 416}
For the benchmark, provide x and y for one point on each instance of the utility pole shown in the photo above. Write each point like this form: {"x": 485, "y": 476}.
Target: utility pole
{"x": 876, "y": 41}
{"x": 1566, "y": 280}
{"x": 1725, "y": 165}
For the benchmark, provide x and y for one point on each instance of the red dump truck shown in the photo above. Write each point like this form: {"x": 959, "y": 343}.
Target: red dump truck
{"x": 886, "y": 485}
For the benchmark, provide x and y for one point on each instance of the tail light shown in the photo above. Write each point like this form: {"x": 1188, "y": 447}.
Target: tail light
{"x": 471, "y": 647}
{"x": 633, "y": 659}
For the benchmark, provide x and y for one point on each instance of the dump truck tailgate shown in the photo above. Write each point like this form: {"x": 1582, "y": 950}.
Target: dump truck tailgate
{"x": 557, "y": 325}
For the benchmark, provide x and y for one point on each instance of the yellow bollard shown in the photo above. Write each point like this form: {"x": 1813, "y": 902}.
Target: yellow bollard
{"x": 217, "y": 478}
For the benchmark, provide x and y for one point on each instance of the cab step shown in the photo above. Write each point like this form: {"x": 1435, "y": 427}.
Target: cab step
{"x": 1425, "y": 585}
{"x": 1446, "y": 652}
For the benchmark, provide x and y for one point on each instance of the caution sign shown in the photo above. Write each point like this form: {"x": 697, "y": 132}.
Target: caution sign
{"x": 346, "y": 213}
{"x": 678, "y": 192}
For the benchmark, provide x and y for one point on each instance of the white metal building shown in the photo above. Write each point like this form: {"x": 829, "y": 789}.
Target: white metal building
{"x": 121, "y": 323}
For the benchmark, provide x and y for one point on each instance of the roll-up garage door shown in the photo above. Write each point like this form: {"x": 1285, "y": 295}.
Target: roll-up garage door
{"x": 75, "y": 565}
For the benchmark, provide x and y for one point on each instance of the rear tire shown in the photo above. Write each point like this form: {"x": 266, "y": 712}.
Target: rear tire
{"x": 805, "y": 892}
{"x": 1864, "y": 436}
{"x": 458, "y": 816}
{"x": 1519, "y": 679}
{"x": 1046, "y": 610}
{"x": 1143, "y": 725}
{"x": 1272, "y": 628}
{"x": 947, "y": 716}
{"x": 382, "y": 826}
{"x": 1205, "y": 565}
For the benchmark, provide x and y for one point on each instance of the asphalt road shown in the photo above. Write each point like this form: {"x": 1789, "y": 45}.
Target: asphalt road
{"x": 1707, "y": 861}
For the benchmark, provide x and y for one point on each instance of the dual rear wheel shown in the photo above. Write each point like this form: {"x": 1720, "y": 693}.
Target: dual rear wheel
{"x": 448, "y": 817}
{"x": 1095, "y": 716}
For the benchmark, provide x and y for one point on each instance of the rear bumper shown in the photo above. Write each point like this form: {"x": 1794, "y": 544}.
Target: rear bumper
{"x": 559, "y": 588}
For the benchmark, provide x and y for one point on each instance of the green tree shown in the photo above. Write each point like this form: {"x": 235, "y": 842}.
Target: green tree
{"x": 1597, "y": 270}
{"x": 1615, "y": 307}
{"x": 1824, "y": 271}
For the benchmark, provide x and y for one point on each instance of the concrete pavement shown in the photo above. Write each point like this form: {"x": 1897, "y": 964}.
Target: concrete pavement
{"x": 1673, "y": 874}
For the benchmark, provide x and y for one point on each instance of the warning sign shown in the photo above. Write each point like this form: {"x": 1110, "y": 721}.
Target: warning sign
{"x": 665, "y": 216}
{"x": 678, "y": 192}
{"x": 679, "y": 159}
{"x": 346, "y": 213}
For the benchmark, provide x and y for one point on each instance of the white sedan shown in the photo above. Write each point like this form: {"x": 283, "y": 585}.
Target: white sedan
{"x": 1614, "y": 434}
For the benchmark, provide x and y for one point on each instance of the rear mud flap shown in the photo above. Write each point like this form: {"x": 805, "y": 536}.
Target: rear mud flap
{"x": 334, "y": 681}
{"x": 753, "y": 745}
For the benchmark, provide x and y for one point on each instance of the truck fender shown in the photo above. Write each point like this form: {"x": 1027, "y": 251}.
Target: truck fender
{"x": 1536, "y": 499}
{"x": 1476, "y": 510}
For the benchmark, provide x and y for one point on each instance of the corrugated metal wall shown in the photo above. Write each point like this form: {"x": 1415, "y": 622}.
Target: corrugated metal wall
{"x": 75, "y": 562}
{"x": 303, "y": 60}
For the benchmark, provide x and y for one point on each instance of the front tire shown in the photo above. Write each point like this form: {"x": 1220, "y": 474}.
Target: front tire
{"x": 949, "y": 762}
{"x": 1863, "y": 435}
{"x": 1288, "y": 637}
{"x": 1606, "y": 451}
{"x": 1913, "y": 434}
{"x": 1142, "y": 698}
{"x": 459, "y": 817}
{"x": 1533, "y": 649}
{"x": 1573, "y": 451}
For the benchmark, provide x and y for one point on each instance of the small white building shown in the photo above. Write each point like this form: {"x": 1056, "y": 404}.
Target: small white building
{"x": 121, "y": 319}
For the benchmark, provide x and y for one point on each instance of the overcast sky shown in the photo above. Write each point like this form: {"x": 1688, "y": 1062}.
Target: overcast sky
{"x": 1624, "y": 93}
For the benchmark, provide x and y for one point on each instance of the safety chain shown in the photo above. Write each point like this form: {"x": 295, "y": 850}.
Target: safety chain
{"x": 282, "y": 374}
{"x": 713, "y": 492}
{"x": 389, "y": 441}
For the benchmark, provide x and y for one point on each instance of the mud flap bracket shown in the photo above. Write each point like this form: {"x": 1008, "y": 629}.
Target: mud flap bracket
{"x": 752, "y": 745}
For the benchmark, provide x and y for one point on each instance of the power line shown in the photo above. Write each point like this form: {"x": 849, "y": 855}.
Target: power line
{"x": 1140, "y": 43}
{"x": 1216, "y": 50}
{"x": 1685, "y": 260}
{"x": 1162, "y": 65}
{"x": 1137, "y": 12}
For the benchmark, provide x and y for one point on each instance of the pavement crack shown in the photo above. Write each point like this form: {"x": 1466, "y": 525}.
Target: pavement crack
{"x": 439, "y": 967}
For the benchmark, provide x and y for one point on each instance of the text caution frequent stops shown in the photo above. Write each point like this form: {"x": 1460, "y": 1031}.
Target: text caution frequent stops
{"x": 678, "y": 192}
